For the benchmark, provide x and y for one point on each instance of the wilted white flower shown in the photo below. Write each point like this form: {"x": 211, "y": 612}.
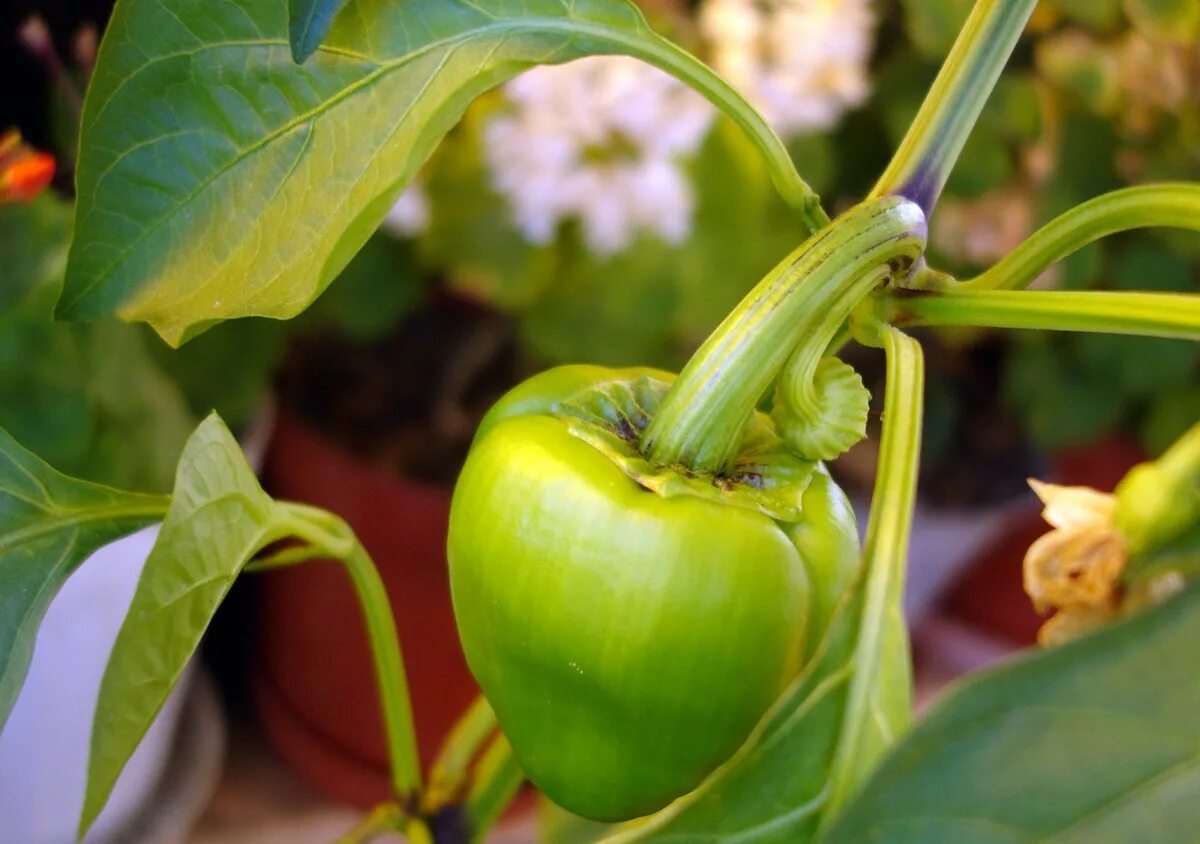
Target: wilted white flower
{"x": 1075, "y": 569}
{"x": 410, "y": 215}
{"x": 600, "y": 139}
{"x": 802, "y": 63}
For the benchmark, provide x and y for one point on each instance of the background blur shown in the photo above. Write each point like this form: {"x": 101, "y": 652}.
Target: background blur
{"x": 600, "y": 212}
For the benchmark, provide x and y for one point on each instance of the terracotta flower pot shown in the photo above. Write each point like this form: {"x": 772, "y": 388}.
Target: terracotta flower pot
{"x": 314, "y": 685}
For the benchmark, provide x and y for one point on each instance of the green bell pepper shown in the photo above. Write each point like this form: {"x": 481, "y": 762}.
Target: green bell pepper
{"x": 631, "y": 623}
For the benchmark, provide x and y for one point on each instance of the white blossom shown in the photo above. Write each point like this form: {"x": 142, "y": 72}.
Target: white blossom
{"x": 600, "y": 140}
{"x": 802, "y": 63}
{"x": 410, "y": 215}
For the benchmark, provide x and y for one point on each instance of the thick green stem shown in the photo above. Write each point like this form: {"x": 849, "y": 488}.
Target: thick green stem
{"x": 802, "y": 366}
{"x": 323, "y": 531}
{"x": 1174, "y": 315}
{"x": 928, "y": 152}
{"x": 389, "y": 673}
{"x": 884, "y": 551}
{"x": 700, "y": 421}
{"x": 1166, "y": 205}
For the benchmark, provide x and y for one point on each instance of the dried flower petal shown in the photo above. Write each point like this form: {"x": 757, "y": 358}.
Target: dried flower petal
{"x": 1074, "y": 506}
{"x": 1073, "y": 623}
{"x": 1079, "y": 566}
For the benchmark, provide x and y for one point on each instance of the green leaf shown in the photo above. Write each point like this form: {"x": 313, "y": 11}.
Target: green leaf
{"x": 218, "y": 519}
{"x": 308, "y": 22}
{"x": 1093, "y": 742}
{"x": 91, "y": 400}
{"x": 49, "y": 524}
{"x": 33, "y": 241}
{"x": 219, "y": 179}
{"x": 830, "y": 728}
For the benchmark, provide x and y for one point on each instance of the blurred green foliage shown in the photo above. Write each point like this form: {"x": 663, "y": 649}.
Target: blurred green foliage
{"x": 88, "y": 398}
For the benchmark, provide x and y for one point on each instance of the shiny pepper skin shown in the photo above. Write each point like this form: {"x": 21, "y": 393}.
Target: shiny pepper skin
{"x": 628, "y": 642}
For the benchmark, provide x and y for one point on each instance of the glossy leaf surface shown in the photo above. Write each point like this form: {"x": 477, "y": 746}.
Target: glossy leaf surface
{"x": 49, "y": 524}
{"x": 1093, "y": 742}
{"x": 220, "y": 179}
{"x": 218, "y": 519}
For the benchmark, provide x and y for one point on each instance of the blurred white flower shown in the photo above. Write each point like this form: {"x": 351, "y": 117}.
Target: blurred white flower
{"x": 410, "y": 215}
{"x": 802, "y": 63}
{"x": 601, "y": 140}
{"x": 982, "y": 231}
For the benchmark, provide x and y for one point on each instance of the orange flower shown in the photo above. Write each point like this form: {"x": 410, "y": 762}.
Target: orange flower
{"x": 24, "y": 172}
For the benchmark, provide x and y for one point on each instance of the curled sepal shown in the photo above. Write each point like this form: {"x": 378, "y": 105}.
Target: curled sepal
{"x": 821, "y": 412}
{"x": 766, "y": 476}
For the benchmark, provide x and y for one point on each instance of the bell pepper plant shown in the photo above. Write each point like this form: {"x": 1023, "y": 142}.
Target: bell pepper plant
{"x": 658, "y": 585}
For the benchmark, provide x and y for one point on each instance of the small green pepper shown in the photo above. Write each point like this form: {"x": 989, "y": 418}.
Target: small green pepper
{"x": 631, "y": 623}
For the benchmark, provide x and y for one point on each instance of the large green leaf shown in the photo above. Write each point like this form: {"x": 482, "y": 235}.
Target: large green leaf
{"x": 218, "y": 519}
{"x": 49, "y": 524}
{"x": 826, "y": 734}
{"x": 219, "y": 179}
{"x": 1097, "y": 741}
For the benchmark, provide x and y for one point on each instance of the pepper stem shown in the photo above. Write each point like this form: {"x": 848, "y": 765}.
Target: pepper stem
{"x": 803, "y": 300}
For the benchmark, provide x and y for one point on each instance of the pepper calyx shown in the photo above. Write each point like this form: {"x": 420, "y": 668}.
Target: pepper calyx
{"x": 766, "y": 474}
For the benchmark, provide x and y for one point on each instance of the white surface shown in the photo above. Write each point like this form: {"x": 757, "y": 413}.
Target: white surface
{"x": 44, "y": 746}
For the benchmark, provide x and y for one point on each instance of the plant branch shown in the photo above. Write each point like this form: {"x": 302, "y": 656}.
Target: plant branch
{"x": 679, "y": 63}
{"x": 1175, "y": 315}
{"x": 384, "y": 818}
{"x": 805, "y": 299}
{"x": 886, "y": 547}
{"x": 389, "y": 673}
{"x": 497, "y": 778}
{"x": 1169, "y": 205}
{"x": 328, "y": 535}
{"x": 927, "y": 154}
{"x": 449, "y": 778}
